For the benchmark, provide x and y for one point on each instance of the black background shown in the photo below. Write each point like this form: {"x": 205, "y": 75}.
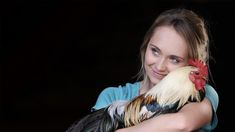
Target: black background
{"x": 57, "y": 56}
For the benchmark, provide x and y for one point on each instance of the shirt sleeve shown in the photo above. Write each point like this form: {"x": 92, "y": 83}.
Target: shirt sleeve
{"x": 120, "y": 93}
{"x": 106, "y": 97}
{"x": 213, "y": 97}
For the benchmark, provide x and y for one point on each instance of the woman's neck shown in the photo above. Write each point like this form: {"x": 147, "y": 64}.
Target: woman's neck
{"x": 145, "y": 86}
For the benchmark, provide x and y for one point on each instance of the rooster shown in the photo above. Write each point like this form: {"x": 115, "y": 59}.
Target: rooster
{"x": 183, "y": 85}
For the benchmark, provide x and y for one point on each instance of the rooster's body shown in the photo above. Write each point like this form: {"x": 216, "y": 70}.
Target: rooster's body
{"x": 179, "y": 87}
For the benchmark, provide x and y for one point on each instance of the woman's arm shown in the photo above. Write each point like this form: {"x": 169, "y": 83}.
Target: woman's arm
{"x": 191, "y": 117}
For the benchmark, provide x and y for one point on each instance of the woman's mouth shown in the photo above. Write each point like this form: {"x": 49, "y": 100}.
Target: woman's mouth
{"x": 157, "y": 75}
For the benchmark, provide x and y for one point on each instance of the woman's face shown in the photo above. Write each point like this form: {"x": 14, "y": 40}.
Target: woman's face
{"x": 165, "y": 52}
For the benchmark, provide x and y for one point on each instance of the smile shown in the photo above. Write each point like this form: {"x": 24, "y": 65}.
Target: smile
{"x": 157, "y": 75}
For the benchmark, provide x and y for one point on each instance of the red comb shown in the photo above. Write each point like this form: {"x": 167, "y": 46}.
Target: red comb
{"x": 202, "y": 67}
{"x": 199, "y": 77}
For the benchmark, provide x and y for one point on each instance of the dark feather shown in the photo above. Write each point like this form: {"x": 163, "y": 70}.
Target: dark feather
{"x": 156, "y": 110}
{"x": 97, "y": 121}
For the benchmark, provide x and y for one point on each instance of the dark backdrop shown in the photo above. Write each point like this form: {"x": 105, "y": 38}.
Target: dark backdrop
{"x": 57, "y": 56}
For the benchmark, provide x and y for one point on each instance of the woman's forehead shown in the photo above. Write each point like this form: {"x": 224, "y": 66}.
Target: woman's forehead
{"x": 169, "y": 41}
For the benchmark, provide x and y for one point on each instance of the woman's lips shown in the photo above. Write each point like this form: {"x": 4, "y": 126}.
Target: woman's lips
{"x": 157, "y": 74}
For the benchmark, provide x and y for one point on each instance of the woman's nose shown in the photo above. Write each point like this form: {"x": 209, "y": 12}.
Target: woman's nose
{"x": 161, "y": 66}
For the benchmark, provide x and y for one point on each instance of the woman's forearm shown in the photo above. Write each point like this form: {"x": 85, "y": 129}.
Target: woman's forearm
{"x": 197, "y": 115}
{"x": 191, "y": 117}
{"x": 163, "y": 123}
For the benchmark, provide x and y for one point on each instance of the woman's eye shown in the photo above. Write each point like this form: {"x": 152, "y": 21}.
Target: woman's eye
{"x": 175, "y": 61}
{"x": 154, "y": 51}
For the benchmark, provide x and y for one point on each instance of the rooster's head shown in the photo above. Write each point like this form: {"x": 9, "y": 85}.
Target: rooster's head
{"x": 199, "y": 76}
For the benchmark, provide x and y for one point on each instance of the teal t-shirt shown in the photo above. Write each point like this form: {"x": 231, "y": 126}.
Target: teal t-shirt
{"x": 131, "y": 90}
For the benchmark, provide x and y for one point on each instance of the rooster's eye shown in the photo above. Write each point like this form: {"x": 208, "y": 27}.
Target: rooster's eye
{"x": 196, "y": 73}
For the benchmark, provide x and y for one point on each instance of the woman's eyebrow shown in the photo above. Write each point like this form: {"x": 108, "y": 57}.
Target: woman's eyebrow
{"x": 177, "y": 57}
{"x": 155, "y": 47}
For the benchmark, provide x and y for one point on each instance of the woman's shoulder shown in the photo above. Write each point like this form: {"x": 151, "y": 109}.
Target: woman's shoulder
{"x": 212, "y": 95}
{"x": 127, "y": 88}
{"x": 208, "y": 87}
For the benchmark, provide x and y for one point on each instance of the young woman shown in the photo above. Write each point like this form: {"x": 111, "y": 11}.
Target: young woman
{"x": 175, "y": 36}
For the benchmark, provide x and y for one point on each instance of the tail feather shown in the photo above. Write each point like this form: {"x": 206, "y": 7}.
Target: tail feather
{"x": 88, "y": 123}
{"x": 99, "y": 121}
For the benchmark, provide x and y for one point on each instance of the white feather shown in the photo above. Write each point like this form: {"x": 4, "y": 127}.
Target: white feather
{"x": 176, "y": 86}
{"x": 118, "y": 106}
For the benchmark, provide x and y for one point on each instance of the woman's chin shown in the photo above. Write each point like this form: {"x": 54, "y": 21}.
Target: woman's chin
{"x": 154, "y": 81}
